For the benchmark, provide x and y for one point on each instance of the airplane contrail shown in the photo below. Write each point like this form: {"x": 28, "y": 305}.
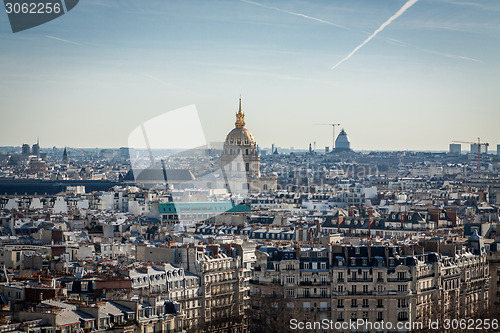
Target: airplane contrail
{"x": 62, "y": 40}
{"x": 385, "y": 24}
{"x": 296, "y": 14}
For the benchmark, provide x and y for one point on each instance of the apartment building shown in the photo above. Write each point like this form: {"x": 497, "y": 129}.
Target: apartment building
{"x": 396, "y": 284}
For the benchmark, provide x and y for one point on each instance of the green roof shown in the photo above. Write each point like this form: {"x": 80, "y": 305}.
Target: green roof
{"x": 201, "y": 207}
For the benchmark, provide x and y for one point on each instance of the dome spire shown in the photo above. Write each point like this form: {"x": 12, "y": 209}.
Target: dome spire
{"x": 240, "y": 118}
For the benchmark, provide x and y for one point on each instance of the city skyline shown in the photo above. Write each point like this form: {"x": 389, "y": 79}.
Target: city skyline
{"x": 90, "y": 77}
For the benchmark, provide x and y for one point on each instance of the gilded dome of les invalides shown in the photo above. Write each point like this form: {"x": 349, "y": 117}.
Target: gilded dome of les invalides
{"x": 240, "y": 136}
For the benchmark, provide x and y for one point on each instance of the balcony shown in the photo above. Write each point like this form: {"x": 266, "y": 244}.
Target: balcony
{"x": 360, "y": 280}
{"x": 426, "y": 276}
{"x": 407, "y": 279}
{"x": 360, "y": 293}
{"x": 313, "y": 296}
{"x": 327, "y": 309}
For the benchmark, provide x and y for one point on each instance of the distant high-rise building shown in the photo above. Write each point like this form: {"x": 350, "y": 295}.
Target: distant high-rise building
{"x": 474, "y": 149}
{"x": 26, "y": 149}
{"x": 498, "y": 150}
{"x": 455, "y": 149}
{"x": 35, "y": 149}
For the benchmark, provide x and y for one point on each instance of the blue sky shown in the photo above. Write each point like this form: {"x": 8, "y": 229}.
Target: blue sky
{"x": 88, "y": 78}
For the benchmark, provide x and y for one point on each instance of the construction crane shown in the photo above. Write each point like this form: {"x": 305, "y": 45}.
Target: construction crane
{"x": 479, "y": 144}
{"x": 333, "y": 127}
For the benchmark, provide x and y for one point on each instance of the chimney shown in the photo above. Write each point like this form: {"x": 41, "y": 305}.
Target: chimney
{"x": 369, "y": 211}
{"x": 351, "y": 211}
{"x": 214, "y": 248}
{"x": 434, "y": 214}
{"x": 404, "y": 216}
{"x": 452, "y": 213}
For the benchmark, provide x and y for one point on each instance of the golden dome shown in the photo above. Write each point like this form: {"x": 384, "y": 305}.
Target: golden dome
{"x": 240, "y": 136}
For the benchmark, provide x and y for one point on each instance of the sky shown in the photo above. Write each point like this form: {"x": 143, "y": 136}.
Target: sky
{"x": 396, "y": 74}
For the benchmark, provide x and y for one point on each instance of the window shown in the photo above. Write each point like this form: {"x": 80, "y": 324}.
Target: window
{"x": 365, "y": 289}
{"x": 365, "y": 314}
{"x": 306, "y": 292}
{"x": 340, "y": 316}
{"x": 324, "y": 292}
{"x": 353, "y": 289}
{"x": 341, "y": 289}
{"x": 402, "y": 316}
{"x": 291, "y": 292}
{"x": 290, "y": 279}
{"x": 380, "y": 303}
{"x": 402, "y": 287}
{"x": 340, "y": 303}
{"x": 340, "y": 276}
{"x": 323, "y": 265}
{"x": 380, "y": 316}
{"x": 365, "y": 303}
{"x": 354, "y": 303}
{"x": 247, "y": 165}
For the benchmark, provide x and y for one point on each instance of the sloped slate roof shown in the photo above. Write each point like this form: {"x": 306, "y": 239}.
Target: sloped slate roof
{"x": 158, "y": 175}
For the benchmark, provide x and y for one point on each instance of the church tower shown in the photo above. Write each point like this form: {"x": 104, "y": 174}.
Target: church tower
{"x": 65, "y": 159}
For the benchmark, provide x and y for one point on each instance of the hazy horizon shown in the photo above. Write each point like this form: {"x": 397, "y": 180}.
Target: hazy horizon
{"x": 397, "y": 75}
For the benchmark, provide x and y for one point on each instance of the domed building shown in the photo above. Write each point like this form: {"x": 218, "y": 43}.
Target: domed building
{"x": 240, "y": 141}
{"x": 342, "y": 142}
{"x": 240, "y": 160}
